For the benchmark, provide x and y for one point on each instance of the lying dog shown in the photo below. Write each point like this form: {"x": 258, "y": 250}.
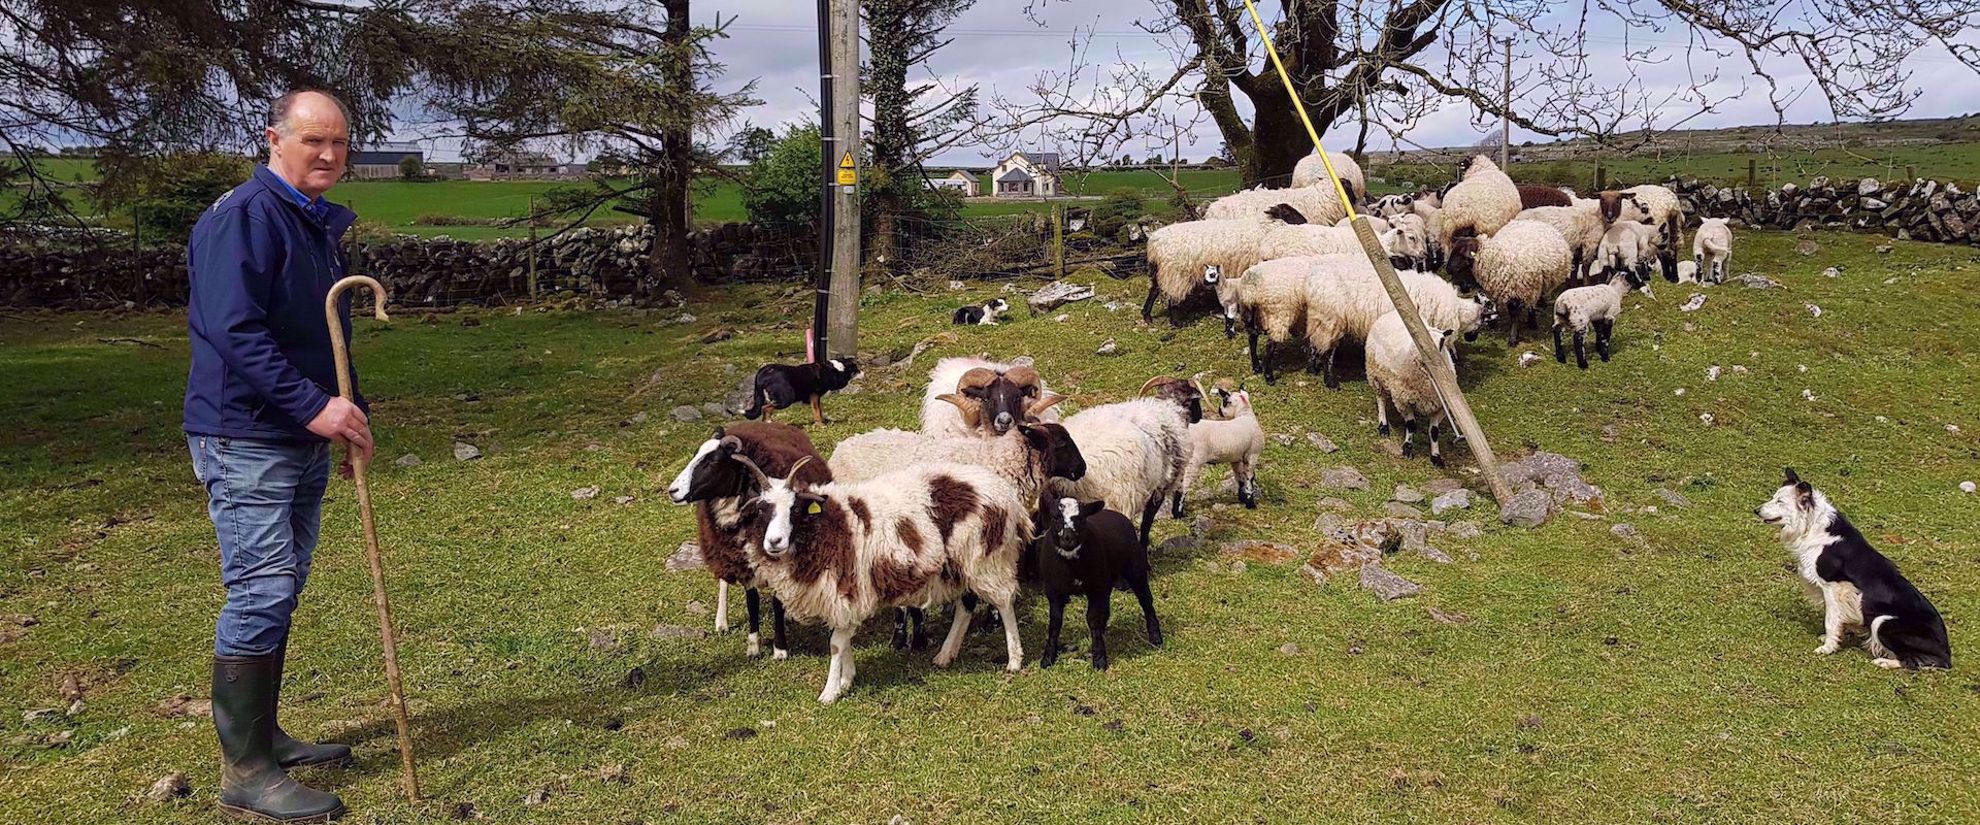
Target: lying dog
{"x": 1859, "y": 588}
{"x": 780, "y": 385}
{"x": 982, "y": 314}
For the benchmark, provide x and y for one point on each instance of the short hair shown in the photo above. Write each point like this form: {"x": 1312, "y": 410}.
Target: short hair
{"x": 278, "y": 111}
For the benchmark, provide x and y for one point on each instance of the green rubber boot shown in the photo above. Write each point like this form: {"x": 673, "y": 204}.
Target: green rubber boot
{"x": 291, "y": 752}
{"x": 252, "y": 784}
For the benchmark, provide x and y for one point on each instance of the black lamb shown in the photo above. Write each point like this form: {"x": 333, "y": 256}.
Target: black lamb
{"x": 781, "y": 385}
{"x": 1087, "y": 549}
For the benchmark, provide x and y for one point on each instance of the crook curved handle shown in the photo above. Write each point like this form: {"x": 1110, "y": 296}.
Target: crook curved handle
{"x": 338, "y": 347}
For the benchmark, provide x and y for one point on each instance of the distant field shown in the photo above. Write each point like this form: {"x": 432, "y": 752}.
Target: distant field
{"x": 396, "y": 204}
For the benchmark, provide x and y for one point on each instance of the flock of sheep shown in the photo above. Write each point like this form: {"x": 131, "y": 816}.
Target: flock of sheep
{"x": 993, "y": 488}
{"x": 1286, "y": 262}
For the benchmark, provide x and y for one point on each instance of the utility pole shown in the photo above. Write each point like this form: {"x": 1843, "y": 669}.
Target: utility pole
{"x": 1505, "y": 119}
{"x": 842, "y": 323}
{"x": 827, "y": 196}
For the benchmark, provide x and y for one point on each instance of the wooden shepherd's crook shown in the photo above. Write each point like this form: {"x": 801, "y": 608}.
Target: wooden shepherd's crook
{"x": 358, "y": 462}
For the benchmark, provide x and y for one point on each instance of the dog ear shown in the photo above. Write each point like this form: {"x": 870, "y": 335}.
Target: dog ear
{"x": 1805, "y": 493}
{"x": 1790, "y": 477}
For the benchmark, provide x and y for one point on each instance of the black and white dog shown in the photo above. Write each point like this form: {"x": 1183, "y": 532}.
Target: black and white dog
{"x": 782, "y": 385}
{"x": 1860, "y": 590}
{"x": 985, "y": 314}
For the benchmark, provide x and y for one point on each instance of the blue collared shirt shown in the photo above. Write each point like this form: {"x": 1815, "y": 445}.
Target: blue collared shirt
{"x": 316, "y": 208}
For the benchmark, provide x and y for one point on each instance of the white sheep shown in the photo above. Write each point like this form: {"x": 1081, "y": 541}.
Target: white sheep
{"x": 1311, "y": 172}
{"x": 941, "y": 415}
{"x": 1234, "y": 437}
{"x": 1432, "y": 215}
{"x": 1687, "y": 271}
{"x": 1319, "y": 204}
{"x": 1135, "y": 453}
{"x": 1596, "y": 306}
{"x": 1515, "y": 268}
{"x": 1411, "y": 241}
{"x": 1581, "y": 224}
{"x": 1344, "y": 298}
{"x": 1402, "y": 384}
{"x": 1480, "y": 204}
{"x": 1185, "y": 257}
{"x": 1712, "y": 249}
{"x": 1271, "y": 301}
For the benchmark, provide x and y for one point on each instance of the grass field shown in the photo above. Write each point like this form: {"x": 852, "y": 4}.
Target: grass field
{"x": 1585, "y": 679}
{"x": 1955, "y": 162}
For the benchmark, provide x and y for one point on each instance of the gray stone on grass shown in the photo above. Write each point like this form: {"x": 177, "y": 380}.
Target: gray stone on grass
{"x": 1672, "y": 497}
{"x": 584, "y": 493}
{"x": 1343, "y": 478}
{"x": 1407, "y": 494}
{"x": 1108, "y": 347}
{"x": 168, "y": 787}
{"x": 1338, "y": 505}
{"x": 1387, "y": 585}
{"x": 464, "y": 451}
{"x": 1397, "y": 509}
{"x": 686, "y": 557}
{"x": 1528, "y": 509}
{"x": 1056, "y": 294}
{"x": 685, "y": 414}
{"x": 1459, "y": 499}
{"x": 1322, "y": 443}
{"x": 408, "y": 460}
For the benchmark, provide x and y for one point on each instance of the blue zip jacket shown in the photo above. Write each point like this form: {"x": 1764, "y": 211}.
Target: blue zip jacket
{"x": 261, "y": 266}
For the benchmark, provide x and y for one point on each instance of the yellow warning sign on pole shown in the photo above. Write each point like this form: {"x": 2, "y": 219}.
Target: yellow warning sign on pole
{"x": 848, "y": 172}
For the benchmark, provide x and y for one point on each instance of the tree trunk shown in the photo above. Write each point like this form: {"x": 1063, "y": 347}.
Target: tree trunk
{"x": 1279, "y": 141}
{"x": 669, "y": 264}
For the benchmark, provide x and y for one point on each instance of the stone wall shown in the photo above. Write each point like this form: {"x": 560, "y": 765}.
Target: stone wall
{"x": 420, "y": 272}
{"x": 1925, "y": 210}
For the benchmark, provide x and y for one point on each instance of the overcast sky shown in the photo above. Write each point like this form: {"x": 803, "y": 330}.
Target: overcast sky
{"x": 774, "y": 42}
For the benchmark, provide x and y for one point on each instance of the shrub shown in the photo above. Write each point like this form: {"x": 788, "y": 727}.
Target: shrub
{"x": 1118, "y": 209}
{"x": 169, "y": 193}
{"x": 409, "y": 168}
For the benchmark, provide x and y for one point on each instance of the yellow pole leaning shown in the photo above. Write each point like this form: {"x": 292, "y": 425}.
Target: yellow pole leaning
{"x": 342, "y": 353}
{"x": 1442, "y": 376}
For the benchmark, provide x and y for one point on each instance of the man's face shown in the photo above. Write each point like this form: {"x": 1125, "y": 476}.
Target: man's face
{"x": 311, "y": 149}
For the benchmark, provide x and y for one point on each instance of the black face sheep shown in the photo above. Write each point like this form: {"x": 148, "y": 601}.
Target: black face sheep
{"x": 718, "y": 486}
{"x": 1515, "y": 268}
{"x": 781, "y": 385}
{"x": 1084, "y": 550}
{"x": 1583, "y": 307}
{"x": 982, "y": 314}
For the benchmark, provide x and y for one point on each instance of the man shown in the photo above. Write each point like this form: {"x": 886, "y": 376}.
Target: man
{"x": 260, "y": 419}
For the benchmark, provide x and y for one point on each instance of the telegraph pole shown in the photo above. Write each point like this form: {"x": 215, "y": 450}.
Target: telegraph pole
{"x": 1505, "y": 118}
{"x": 842, "y": 322}
{"x": 828, "y": 154}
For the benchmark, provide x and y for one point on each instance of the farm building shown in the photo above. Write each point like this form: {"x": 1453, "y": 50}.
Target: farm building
{"x": 524, "y": 166}
{"x": 1027, "y": 176}
{"x": 962, "y": 182}
{"x": 382, "y": 160}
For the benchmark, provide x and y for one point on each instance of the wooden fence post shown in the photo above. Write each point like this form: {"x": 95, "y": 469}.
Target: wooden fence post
{"x": 1601, "y": 177}
{"x": 1752, "y": 173}
{"x": 1059, "y": 239}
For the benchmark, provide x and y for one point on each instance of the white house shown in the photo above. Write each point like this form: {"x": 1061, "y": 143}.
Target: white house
{"x": 963, "y": 182}
{"x": 1027, "y": 176}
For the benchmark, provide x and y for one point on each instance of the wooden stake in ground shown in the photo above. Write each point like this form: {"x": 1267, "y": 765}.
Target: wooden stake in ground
{"x": 358, "y": 464}
{"x": 1442, "y": 377}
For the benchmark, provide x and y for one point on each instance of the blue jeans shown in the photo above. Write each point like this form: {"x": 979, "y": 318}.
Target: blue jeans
{"x": 266, "y": 501}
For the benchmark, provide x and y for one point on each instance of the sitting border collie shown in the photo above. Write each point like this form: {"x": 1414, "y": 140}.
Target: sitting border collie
{"x": 984, "y": 315}
{"x": 780, "y": 385}
{"x": 1860, "y": 590}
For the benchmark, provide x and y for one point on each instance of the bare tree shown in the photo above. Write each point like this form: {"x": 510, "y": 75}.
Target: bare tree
{"x": 1389, "y": 63}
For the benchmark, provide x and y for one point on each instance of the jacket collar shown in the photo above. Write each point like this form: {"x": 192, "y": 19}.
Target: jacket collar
{"x": 336, "y": 217}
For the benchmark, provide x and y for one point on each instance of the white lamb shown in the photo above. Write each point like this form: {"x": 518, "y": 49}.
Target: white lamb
{"x": 1581, "y": 224}
{"x": 1659, "y": 207}
{"x": 1591, "y": 306}
{"x": 1626, "y": 246}
{"x": 1516, "y": 268}
{"x": 1712, "y": 249}
{"x": 1234, "y": 437}
{"x": 1402, "y": 385}
{"x": 1344, "y": 298}
{"x": 1319, "y": 204}
{"x": 1311, "y": 172}
{"x": 1185, "y": 257}
{"x": 1480, "y": 204}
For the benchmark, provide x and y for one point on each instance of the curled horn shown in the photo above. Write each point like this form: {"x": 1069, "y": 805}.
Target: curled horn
{"x": 1024, "y": 377}
{"x": 1157, "y": 381}
{"x": 976, "y": 378}
{"x": 1044, "y": 402}
{"x": 794, "y": 468}
{"x": 762, "y": 479}
{"x": 1197, "y": 382}
{"x": 972, "y": 412}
